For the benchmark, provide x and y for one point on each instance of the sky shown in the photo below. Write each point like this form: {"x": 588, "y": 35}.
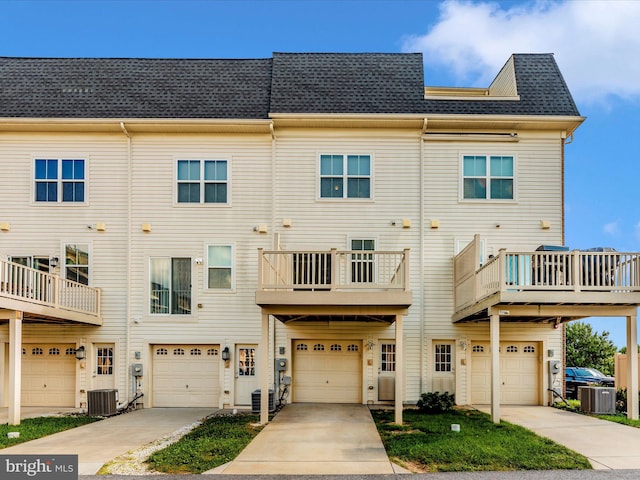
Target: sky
{"x": 465, "y": 43}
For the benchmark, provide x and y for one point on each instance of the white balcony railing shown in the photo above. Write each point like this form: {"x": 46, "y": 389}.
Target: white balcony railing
{"x": 25, "y": 284}
{"x": 570, "y": 271}
{"x": 333, "y": 270}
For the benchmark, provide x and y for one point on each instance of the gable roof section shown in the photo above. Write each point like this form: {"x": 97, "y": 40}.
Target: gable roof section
{"x": 289, "y": 83}
{"x": 348, "y": 83}
{"x": 134, "y": 88}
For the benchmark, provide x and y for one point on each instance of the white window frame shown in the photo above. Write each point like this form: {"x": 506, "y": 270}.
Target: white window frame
{"x": 439, "y": 361}
{"x": 366, "y": 257}
{"x": 64, "y": 265}
{"x": 59, "y": 181}
{"x": 201, "y": 181}
{"x": 232, "y": 266}
{"x": 388, "y": 365}
{"x": 488, "y": 177}
{"x": 170, "y": 313}
{"x": 345, "y": 177}
{"x": 109, "y": 367}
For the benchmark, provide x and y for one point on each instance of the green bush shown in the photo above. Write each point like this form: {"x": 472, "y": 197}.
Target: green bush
{"x": 436, "y": 402}
{"x": 621, "y": 400}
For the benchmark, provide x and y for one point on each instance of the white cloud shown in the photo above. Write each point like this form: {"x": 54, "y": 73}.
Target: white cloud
{"x": 612, "y": 228}
{"x": 596, "y": 42}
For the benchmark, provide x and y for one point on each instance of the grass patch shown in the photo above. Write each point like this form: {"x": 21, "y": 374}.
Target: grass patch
{"x": 217, "y": 441}
{"x": 425, "y": 443}
{"x": 619, "y": 418}
{"x": 33, "y": 428}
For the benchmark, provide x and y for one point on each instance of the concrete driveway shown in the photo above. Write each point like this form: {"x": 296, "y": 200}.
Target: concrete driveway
{"x": 315, "y": 439}
{"x": 97, "y": 443}
{"x": 607, "y": 445}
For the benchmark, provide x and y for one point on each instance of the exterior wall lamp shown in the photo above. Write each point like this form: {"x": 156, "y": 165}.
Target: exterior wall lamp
{"x": 226, "y": 354}
{"x": 81, "y": 353}
{"x": 53, "y": 262}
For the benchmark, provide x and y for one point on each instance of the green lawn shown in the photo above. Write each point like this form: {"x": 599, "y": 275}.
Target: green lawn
{"x": 425, "y": 443}
{"x": 217, "y": 441}
{"x": 33, "y": 428}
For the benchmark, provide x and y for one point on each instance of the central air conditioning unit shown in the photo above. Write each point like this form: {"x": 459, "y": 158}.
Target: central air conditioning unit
{"x": 102, "y": 403}
{"x": 599, "y": 400}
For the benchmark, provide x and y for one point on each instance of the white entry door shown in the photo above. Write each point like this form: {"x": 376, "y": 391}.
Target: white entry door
{"x": 246, "y": 373}
{"x": 103, "y": 368}
{"x": 444, "y": 379}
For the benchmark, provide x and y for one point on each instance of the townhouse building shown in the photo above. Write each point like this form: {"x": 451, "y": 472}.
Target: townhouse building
{"x": 188, "y": 231}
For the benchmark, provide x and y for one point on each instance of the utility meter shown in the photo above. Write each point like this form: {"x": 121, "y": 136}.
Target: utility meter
{"x": 281, "y": 364}
{"x": 136, "y": 369}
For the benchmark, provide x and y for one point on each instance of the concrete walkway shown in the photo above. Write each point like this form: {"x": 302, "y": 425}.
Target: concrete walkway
{"x": 97, "y": 443}
{"x": 607, "y": 445}
{"x": 314, "y": 439}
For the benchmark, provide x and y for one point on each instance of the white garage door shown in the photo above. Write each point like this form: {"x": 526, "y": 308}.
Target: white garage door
{"x": 327, "y": 371}
{"x": 186, "y": 375}
{"x": 48, "y": 375}
{"x": 519, "y": 373}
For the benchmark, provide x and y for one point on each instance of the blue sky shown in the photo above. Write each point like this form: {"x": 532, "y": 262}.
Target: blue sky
{"x": 596, "y": 44}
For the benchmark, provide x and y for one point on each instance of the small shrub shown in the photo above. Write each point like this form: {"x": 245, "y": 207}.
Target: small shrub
{"x": 436, "y": 402}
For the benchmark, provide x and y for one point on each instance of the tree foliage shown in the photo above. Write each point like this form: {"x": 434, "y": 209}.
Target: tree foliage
{"x": 587, "y": 348}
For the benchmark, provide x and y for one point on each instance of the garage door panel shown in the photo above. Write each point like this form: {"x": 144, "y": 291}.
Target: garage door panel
{"x": 186, "y": 375}
{"x": 332, "y": 373}
{"x": 48, "y": 375}
{"x": 519, "y": 373}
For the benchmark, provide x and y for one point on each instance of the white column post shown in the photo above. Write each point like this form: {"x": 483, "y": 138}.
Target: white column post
{"x": 494, "y": 327}
{"x": 399, "y": 370}
{"x": 632, "y": 367}
{"x": 15, "y": 367}
{"x": 264, "y": 371}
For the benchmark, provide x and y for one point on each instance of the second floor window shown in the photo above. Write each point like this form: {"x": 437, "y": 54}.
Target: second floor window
{"x": 202, "y": 181}
{"x": 59, "y": 180}
{"x": 76, "y": 262}
{"x": 170, "y": 286}
{"x": 219, "y": 266}
{"x": 487, "y": 177}
{"x": 345, "y": 176}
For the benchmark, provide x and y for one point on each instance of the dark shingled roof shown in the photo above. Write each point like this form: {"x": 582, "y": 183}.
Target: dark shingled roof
{"x": 541, "y": 87}
{"x": 361, "y": 83}
{"x": 347, "y": 83}
{"x": 134, "y": 88}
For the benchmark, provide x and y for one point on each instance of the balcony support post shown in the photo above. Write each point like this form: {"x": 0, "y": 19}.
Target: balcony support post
{"x": 494, "y": 328}
{"x": 334, "y": 269}
{"x": 399, "y": 370}
{"x": 405, "y": 268}
{"x": 15, "y": 368}
{"x": 264, "y": 371}
{"x": 632, "y": 367}
{"x": 576, "y": 267}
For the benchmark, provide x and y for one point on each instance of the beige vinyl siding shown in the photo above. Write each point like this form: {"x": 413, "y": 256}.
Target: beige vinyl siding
{"x": 323, "y": 224}
{"x": 538, "y": 177}
{"x": 504, "y": 84}
{"x": 39, "y": 229}
{"x": 261, "y": 195}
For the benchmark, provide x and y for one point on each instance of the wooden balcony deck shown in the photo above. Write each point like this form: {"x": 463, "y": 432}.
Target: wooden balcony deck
{"x": 545, "y": 286}
{"x": 43, "y": 297}
{"x": 344, "y": 285}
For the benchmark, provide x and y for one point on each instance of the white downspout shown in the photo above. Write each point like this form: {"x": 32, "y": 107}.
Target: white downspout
{"x": 422, "y": 260}
{"x": 129, "y": 377}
